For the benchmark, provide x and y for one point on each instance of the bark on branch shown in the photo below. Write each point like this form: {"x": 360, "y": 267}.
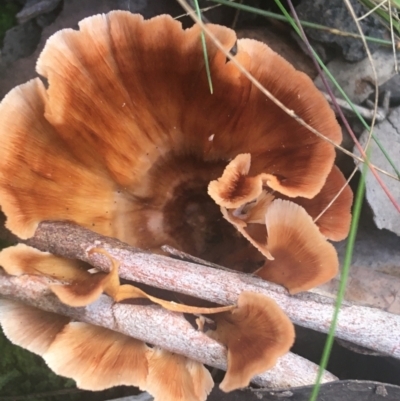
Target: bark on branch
{"x": 367, "y": 327}
{"x": 156, "y": 326}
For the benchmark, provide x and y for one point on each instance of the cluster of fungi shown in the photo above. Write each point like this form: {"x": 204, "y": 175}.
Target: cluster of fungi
{"x": 126, "y": 139}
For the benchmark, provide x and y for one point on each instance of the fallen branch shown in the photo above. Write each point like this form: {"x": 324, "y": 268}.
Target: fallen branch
{"x": 156, "y": 326}
{"x": 368, "y": 327}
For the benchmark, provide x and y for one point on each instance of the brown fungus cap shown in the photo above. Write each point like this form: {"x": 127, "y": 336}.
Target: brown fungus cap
{"x": 77, "y": 286}
{"x": 98, "y": 358}
{"x": 128, "y": 136}
{"x": 334, "y": 223}
{"x": 256, "y": 334}
{"x": 35, "y": 161}
{"x": 303, "y": 259}
{"x": 297, "y": 253}
{"x": 28, "y": 327}
{"x": 235, "y": 188}
{"x": 23, "y": 259}
{"x": 128, "y": 118}
{"x": 173, "y": 377}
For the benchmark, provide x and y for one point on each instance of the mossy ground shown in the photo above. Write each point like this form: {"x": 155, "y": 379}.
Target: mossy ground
{"x": 8, "y": 10}
{"x": 25, "y": 376}
{"x": 23, "y": 373}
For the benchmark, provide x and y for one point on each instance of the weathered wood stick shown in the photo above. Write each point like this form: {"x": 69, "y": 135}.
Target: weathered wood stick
{"x": 368, "y": 327}
{"x": 156, "y": 326}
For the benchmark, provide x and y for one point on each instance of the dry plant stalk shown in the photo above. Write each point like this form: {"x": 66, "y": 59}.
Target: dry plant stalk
{"x": 367, "y": 327}
{"x": 157, "y": 326}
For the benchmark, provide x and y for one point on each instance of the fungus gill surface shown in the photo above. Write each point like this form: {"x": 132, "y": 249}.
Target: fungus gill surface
{"x": 127, "y": 141}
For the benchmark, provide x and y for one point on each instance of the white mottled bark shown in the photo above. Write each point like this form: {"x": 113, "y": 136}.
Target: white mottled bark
{"x": 367, "y": 327}
{"x": 156, "y": 326}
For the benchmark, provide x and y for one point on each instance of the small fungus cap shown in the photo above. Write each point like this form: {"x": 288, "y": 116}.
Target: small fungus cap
{"x": 256, "y": 334}
{"x": 297, "y": 253}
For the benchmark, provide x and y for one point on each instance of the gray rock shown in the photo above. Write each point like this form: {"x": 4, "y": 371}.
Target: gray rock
{"x": 374, "y": 277}
{"x": 48, "y": 18}
{"x": 356, "y": 79}
{"x": 388, "y": 133}
{"x": 334, "y": 13}
{"x": 20, "y": 41}
{"x": 374, "y": 249}
{"x": 141, "y": 397}
{"x": 34, "y": 8}
{"x": 393, "y": 85}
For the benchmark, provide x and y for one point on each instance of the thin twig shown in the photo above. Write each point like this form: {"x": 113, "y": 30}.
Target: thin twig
{"x": 203, "y": 10}
{"x": 396, "y": 67}
{"x": 156, "y": 326}
{"x": 333, "y": 200}
{"x": 376, "y": 99}
{"x": 375, "y": 79}
{"x": 236, "y": 17}
{"x": 368, "y": 327}
{"x": 381, "y": 113}
{"x": 372, "y": 10}
{"x": 330, "y": 97}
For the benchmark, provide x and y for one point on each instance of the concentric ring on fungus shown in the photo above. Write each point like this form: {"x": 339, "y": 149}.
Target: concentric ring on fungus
{"x": 125, "y": 141}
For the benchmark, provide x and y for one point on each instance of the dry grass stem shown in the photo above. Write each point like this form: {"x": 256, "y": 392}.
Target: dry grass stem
{"x": 367, "y": 327}
{"x": 379, "y": 113}
{"x": 338, "y": 193}
{"x": 156, "y": 326}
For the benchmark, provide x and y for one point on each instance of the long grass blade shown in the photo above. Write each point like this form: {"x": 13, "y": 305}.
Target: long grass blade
{"x": 384, "y": 15}
{"x": 343, "y": 93}
{"x": 286, "y": 17}
{"x": 203, "y": 43}
{"x": 343, "y": 281}
{"x": 359, "y": 147}
{"x": 306, "y": 24}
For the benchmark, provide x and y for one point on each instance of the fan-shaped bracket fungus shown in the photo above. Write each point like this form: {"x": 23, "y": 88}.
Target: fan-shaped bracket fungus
{"x": 298, "y": 255}
{"x": 256, "y": 333}
{"x": 119, "y": 143}
{"x": 97, "y": 358}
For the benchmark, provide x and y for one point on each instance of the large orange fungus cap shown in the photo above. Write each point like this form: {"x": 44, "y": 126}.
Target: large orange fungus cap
{"x": 126, "y": 139}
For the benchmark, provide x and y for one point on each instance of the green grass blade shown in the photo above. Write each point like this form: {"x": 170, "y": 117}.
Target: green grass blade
{"x": 203, "y": 43}
{"x": 350, "y": 243}
{"x": 8, "y": 10}
{"x": 343, "y": 281}
{"x": 339, "y": 88}
{"x": 307, "y": 24}
{"x": 383, "y": 14}
{"x": 348, "y": 255}
{"x": 287, "y": 18}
